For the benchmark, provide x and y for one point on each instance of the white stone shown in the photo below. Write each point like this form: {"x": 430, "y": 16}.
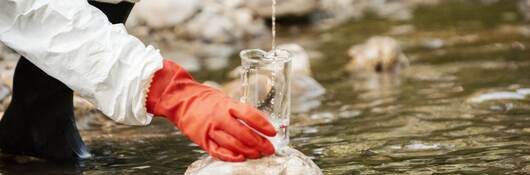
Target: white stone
{"x": 294, "y": 163}
{"x": 378, "y": 54}
{"x": 164, "y": 13}
{"x": 221, "y": 23}
{"x": 212, "y": 25}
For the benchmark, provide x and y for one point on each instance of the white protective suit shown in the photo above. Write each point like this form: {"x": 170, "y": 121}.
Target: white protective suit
{"x": 75, "y": 43}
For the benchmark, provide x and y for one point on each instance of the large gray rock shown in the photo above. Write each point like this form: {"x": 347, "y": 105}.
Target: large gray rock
{"x": 293, "y": 163}
{"x": 223, "y": 23}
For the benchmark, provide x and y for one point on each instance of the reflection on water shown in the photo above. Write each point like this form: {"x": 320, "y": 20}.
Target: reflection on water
{"x": 463, "y": 107}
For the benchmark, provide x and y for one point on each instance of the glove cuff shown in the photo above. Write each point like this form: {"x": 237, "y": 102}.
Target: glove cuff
{"x": 171, "y": 73}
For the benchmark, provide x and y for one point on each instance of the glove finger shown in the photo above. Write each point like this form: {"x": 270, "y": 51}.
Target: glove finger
{"x": 241, "y": 132}
{"x": 224, "y": 154}
{"x": 253, "y": 118}
{"x": 248, "y": 137}
{"x": 228, "y": 141}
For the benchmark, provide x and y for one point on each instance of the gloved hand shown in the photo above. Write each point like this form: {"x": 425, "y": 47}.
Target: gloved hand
{"x": 208, "y": 117}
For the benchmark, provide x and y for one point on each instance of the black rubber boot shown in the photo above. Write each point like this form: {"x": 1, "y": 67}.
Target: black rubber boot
{"x": 40, "y": 120}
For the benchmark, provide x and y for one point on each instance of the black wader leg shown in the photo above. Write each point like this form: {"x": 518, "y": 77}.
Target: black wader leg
{"x": 40, "y": 120}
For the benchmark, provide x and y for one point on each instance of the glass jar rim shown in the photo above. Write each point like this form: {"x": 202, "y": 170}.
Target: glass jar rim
{"x": 258, "y": 56}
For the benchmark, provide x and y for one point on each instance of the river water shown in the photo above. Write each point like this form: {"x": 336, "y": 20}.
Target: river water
{"x": 431, "y": 119}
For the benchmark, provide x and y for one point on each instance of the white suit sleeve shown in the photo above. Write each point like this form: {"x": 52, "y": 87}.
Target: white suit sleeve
{"x": 73, "y": 42}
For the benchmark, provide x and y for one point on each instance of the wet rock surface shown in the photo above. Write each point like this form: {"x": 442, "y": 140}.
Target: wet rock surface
{"x": 379, "y": 54}
{"x": 293, "y": 163}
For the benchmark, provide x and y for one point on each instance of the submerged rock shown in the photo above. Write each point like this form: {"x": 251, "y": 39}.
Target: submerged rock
{"x": 379, "y": 54}
{"x": 293, "y": 163}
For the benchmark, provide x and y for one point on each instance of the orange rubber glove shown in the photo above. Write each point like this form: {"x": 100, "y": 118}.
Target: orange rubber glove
{"x": 208, "y": 117}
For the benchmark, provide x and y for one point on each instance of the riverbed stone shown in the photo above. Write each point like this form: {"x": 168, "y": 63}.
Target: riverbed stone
{"x": 378, "y": 54}
{"x": 164, "y": 13}
{"x": 221, "y": 24}
{"x": 293, "y": 163}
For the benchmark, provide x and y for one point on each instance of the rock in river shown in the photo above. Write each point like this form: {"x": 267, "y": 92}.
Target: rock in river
{"x": 378, "y": 54}
{"x": 293, "y": 163}
{"x": 164, "y": 13}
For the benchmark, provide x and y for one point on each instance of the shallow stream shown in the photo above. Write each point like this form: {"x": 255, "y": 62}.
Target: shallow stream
{"x": 431, "y": 119}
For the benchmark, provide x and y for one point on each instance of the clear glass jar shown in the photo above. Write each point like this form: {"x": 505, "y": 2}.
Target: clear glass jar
{"x": 266, "y": 84}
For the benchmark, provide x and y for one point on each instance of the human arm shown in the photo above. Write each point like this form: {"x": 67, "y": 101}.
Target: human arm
{"x": 75, "y": 43}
